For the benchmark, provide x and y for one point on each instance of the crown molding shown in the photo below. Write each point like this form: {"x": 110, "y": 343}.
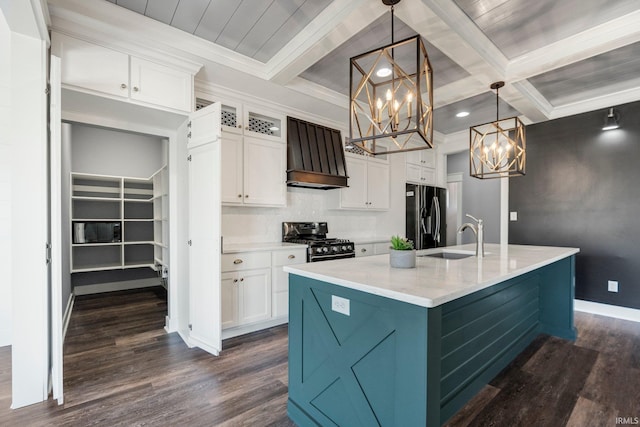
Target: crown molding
{"x": 594, "y": 41}
{"x": 612, "y": 98}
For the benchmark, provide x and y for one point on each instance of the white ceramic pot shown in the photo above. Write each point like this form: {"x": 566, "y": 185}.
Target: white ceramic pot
{"x": 402, "y": 259}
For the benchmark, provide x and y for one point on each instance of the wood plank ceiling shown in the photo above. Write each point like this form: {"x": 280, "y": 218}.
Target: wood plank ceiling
{"x": 557, "y": 57}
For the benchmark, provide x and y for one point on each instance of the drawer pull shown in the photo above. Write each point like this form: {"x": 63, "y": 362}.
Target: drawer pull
{"x": 235, "y": 280}
{"x": 292, "y": 256}
{"x": 363, "y": 250}
{"x": 242, "y": 279}
{"x": 237, "y": 261}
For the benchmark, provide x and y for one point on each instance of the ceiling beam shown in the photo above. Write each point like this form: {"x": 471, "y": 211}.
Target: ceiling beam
{"x": 341, "y": 20}
{"x": 605, "y": 37}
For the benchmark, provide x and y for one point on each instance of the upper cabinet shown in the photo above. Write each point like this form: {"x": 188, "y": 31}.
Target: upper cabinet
{"x": 89, "y": 67}
{"x": 368, "y": 184}
{"x": 254, "y": 156}
{"x": 252, "y": 121}
{"x": 421, "y": 167}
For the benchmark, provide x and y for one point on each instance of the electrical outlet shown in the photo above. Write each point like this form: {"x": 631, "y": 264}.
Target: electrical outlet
{"x": 513, "y": 216}
{"x": 340, "y": 305}
{"x": 613, "y": 286}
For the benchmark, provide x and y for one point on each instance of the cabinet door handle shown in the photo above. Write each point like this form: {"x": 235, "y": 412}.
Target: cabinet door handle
{"x": 292, "y": 256}
{"x": 242, "y": 279}
{"x": 246, "y": 128}
{"x": 135, "y": 88}
{"x": 240, "y": 195}
{"x": 239, "y": 126}
{"x": 246, "y": 196}
{"x": 123, "y": 86}
{"x": 235, "y": 280}
{"x": 363, "y": 250}
{"x": 237, "y": 261}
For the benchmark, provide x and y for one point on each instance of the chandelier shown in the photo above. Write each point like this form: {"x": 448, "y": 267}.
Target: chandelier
{"x": 497, "y": 149}
{"x": 391, "y": 97}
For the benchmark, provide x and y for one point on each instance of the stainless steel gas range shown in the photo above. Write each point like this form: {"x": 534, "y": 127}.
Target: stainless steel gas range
{"x": 319, "y": 246}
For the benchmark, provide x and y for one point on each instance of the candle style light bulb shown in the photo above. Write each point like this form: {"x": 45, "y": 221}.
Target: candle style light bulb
{"x": 379, "y": 109}
{"x": 389, "y": 98}
{"x": 409, "y": 99}
{"x": 389, "y": 95}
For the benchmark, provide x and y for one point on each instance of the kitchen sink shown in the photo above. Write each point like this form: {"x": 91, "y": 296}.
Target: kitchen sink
{"x": 449, "y": 255}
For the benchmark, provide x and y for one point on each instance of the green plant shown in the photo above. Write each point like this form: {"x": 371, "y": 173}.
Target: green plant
{"x": 401, "y": 244}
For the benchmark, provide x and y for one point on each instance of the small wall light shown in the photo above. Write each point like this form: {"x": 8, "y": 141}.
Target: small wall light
{"x": 612, "y": 121}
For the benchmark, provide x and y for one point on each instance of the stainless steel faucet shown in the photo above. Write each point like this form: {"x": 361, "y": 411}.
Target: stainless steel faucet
{"x": 478, "y": 232}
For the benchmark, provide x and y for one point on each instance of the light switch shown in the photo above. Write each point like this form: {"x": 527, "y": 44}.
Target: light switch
{"x": 513, "y": 216}
{"x": 340, "y": 305}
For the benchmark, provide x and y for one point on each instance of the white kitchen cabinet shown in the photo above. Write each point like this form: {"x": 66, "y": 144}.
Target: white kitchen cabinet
{"x": 253, "y": 121}
{"x": 381, "y": 248}
{"x": 368, "y": 184}
{"x": 280, "y": 278}
{"x": 160, "y": 85}
{"x": 246, "y": 288}
{"x": 420, "y": 167}
{"x": 374, "y": 248}
{"x": 253, "y": 171}
{"x": 364, "y": 249}
{"x": 97, "y": 69}
{"x": 229, "y": 300}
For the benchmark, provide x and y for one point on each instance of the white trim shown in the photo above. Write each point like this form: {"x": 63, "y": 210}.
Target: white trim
{"x": 66, "y": 318}
{"x": 116, "y": 286}
{"x": 245, "y": 329}
{"x": 214, "y": 92}
{"x": 608, "y": 310}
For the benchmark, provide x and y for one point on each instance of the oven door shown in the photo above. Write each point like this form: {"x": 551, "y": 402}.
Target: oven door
{"x": 329, "y": 257}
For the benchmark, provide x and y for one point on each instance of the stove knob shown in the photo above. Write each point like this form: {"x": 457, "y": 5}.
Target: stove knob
{"x": 319, "y": 250}
{"x": 325, "y": 250}
{"x": 334, "y": 248}
{"x": 344, "y": 248}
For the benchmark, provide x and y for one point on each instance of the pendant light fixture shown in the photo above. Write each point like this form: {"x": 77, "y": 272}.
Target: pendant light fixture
{"x": 391, "y": 97}
{"x": 497, "y": 149}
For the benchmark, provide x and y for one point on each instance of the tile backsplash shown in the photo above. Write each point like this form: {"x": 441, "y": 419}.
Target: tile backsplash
{"x": 261, "y": 225}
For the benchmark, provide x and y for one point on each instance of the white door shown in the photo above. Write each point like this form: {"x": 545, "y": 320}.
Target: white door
{"x": 232, "y": 191}
{"x": 355, "y": 195}
{"x": 204, "y": 229}
{"x": 265, "y": 165}
{"x": 378, "y": 185}
{"x": 55, "y": 284}
{"x": 254, "y": 295}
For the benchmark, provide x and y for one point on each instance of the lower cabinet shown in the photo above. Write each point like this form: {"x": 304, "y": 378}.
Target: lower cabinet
{"x": 255, "y": 289}
{"x": 246, "y": 297}
{"x": 374, "y": 248}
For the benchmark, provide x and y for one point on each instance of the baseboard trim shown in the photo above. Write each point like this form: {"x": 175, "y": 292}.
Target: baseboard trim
{"x": 246, "y": 329}
{"x": 99, "y": 288}
{"x": 608, "y": 310}
{"x": 67, "y": 315}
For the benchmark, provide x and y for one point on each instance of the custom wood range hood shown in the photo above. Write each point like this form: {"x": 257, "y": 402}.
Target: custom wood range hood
{"x": 315, "y": 157}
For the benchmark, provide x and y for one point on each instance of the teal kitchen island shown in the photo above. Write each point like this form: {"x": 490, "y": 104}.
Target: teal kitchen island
{"x": 371, "y": 345}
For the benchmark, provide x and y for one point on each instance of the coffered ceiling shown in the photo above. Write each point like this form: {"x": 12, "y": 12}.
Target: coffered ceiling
{"x": 558, "y": 57}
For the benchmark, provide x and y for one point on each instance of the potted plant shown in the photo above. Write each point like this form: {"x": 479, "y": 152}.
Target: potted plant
{"x": 402, "y": 254}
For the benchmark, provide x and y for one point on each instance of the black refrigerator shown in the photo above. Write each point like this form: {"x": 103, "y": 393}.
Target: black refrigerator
{"x": 426, "y": 216}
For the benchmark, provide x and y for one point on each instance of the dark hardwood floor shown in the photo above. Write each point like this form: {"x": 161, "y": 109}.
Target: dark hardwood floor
{"x": 121, "y": 368}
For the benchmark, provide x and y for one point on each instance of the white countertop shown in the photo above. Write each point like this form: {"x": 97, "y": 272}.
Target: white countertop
{"x": 434, "y": 281}
{"x": 235, "y": 248}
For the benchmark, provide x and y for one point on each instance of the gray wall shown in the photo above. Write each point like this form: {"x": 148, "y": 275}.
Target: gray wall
{"x": 582, "y": 189}
{"x": 480, "y": 198}
{"x": 110, "y": 152}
